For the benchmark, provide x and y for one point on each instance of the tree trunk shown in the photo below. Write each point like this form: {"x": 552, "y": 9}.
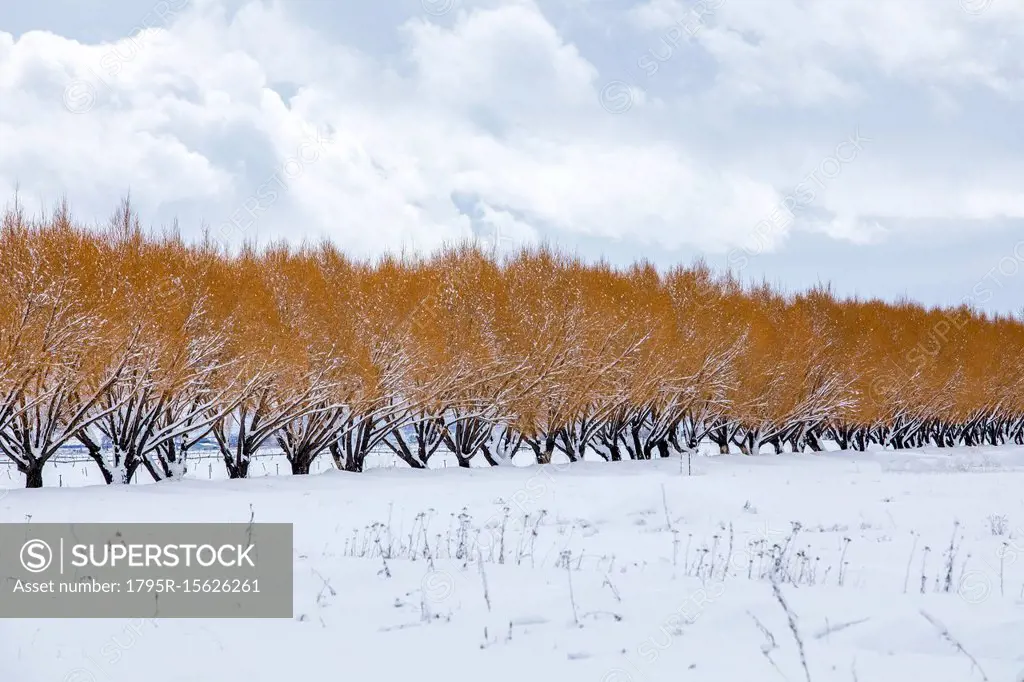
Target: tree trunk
{"x": 237, "y": 468}
{"x": 488, "y": 456}
{"x": 424, "y": 453}
{"x": 300, "y": 464}
{"x": 412, "y": 461}
{"x": 97, "y": 456}
{"x": 33, "y": 475}
{"x": 843, "y": 437}
{"x": 637, "y": 445}
{"x": 721, "y": 439}
{"x": 544, "y": 456}
{"x": 346, "y": 459}
{"x": 237, "y": 461}
{"x": 535, "y": 446}
{"x": 354, "y": 462}
{"x": 398, "y": 446}
{"x": 750, "y": 444}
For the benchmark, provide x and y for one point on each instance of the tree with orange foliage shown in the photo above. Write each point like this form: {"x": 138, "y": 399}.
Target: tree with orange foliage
{"x": 178, "y": 384}
{"x": 70, "y": 361}
{"x": 276, "y": 383}
{"x": 140, "y": 346}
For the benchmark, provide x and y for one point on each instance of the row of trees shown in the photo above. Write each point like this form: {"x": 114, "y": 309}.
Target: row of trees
{"x": 139, "y": 346}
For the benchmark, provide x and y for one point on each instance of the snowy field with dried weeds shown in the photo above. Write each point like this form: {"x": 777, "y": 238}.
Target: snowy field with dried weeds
{"x": 877, "y": 567}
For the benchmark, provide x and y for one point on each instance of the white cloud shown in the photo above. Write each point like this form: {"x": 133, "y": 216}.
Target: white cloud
{"x": 498, "y": 107}
{"x": 502, "y": 230}
{"x": 853, "y": 230}
{"x": 490, "y": 118}
{"x": 785, "y": 51}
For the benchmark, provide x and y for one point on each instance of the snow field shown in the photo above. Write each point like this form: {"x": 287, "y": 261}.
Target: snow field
{"x": 844, "y": 566}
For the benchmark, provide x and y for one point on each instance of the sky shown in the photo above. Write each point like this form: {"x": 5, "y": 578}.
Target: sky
{"x": 876, "y": 147}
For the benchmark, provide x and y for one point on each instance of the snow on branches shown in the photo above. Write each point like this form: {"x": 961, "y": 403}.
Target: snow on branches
{"x": 138, "y": 347}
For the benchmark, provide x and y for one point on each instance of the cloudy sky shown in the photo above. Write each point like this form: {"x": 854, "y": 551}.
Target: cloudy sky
{"x": 876, "y": 146}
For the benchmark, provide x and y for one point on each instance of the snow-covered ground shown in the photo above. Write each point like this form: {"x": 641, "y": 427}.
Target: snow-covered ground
{"x": 792, "y": 567}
